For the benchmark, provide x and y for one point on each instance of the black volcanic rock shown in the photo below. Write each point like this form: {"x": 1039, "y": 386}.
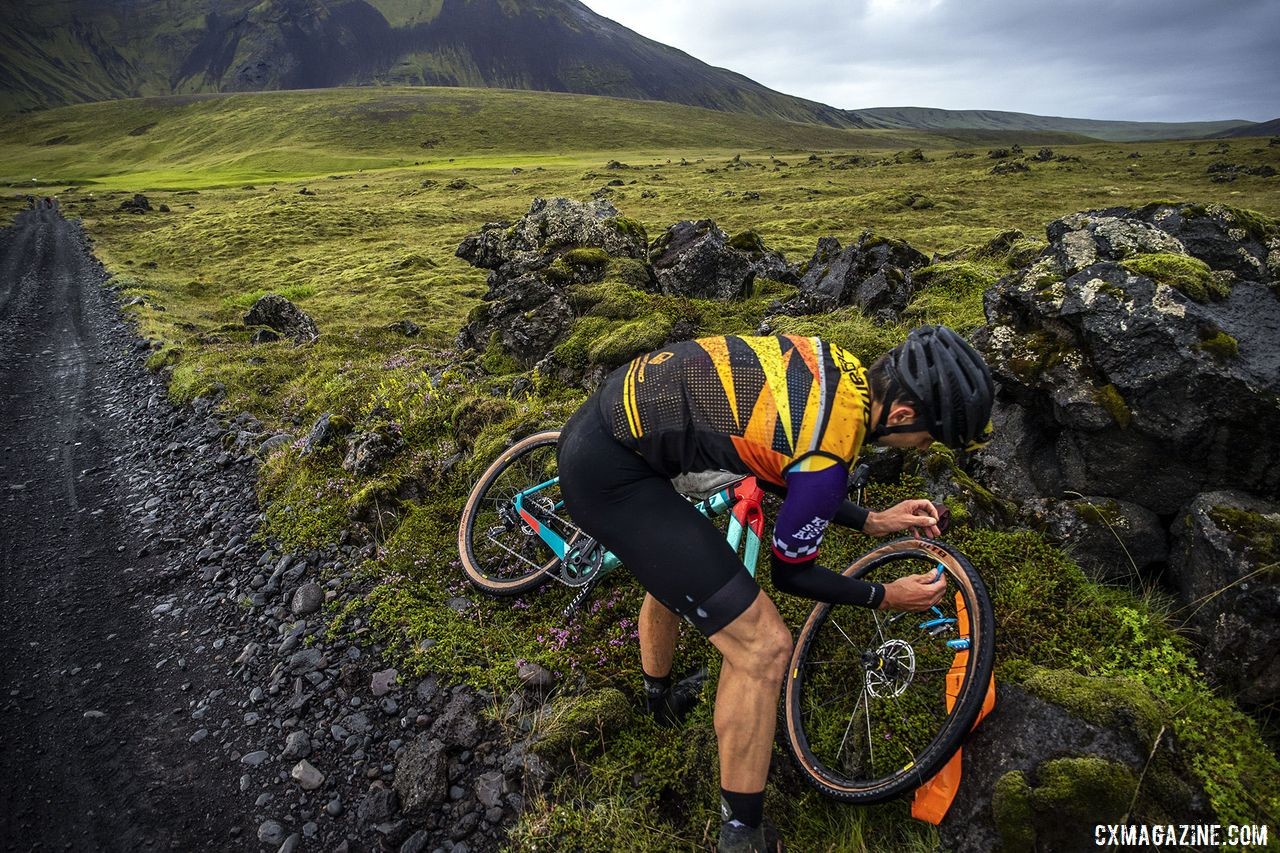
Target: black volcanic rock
{"x": 558, "y": 241}
{"x": 694, "y": 258}
{"x": 1137, "y": 370}
{"x": 278, "y": 313}
{"x": 875, "y": 274}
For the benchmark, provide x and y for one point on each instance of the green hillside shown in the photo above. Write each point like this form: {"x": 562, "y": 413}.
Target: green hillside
{"x": 209, "y": 139}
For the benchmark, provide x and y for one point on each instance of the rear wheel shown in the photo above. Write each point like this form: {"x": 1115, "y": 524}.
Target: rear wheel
{"x": 501, "y": 552}
{"x": 878, "y": 701}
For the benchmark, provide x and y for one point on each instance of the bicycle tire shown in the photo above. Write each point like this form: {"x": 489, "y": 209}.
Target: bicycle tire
{"x": 520, "y": 561}
{"x": 875, "y": 653}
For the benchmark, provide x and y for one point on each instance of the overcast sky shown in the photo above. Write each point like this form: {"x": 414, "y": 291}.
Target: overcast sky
{"x": 1141, "y": 60}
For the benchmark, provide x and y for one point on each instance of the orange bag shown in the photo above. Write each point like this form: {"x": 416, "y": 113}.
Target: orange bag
{"x": 934, "y": 797}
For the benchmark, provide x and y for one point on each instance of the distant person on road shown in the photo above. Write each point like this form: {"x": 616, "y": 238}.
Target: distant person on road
{"x": 795, "y": 413}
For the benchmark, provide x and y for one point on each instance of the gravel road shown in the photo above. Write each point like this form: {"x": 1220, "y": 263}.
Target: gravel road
{"x": 166, "y": 677}
{"x": 90, "y": 757}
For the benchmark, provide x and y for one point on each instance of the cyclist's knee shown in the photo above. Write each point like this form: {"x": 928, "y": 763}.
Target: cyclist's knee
{"x": 775, "y": 654}
{"x": 757, "y": 642}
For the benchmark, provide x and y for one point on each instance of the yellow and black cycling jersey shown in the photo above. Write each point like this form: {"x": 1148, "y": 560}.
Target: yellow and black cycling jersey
{"x": 754, "y": 405}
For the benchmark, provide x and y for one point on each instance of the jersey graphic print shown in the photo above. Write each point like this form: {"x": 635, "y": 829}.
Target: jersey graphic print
{"x": 749, "y": 404}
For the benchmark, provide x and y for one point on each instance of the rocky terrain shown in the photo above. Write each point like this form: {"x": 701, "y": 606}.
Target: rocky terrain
{"x": 1137, "y": 420}
{"x": 1136, "y": 355}
{"x": 177, "y": 686}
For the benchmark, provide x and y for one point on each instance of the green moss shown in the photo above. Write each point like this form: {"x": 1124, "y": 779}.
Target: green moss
{"x": 495, "y": 360}
{"x": 608, "y": 299}
{"x": 479, "y": 313}
{"x": 748, "y": 241}
{"x": 974, "y": 498}
{"x": 1258, "y": 535}
{"x": 630, "y": 340}
{"x": 474, "y": 413}
{"x": 572, "y": 351}
{"x": 586, "y": 256}
{"x": 1220, "y": 345}
{"x": 631, "y": 229}
{"x": 580, "y": 724}
{"x": 558, "y": 272}
{"x": 1082, "y": 791}
{"x": 1071, "y": 795}
{"x": 375, "y": 498}
{"x": 1109, "y": 702}
{"x": 1190, "y": 275}
{"x": 630, "y": 271}
{"x": 1109, "y": 398}
{"x": 1013, "y": 813}
{"x": 1037, "y": 353}
{"x": 306, "y": 502}
{"x": 1105, "y": 514}
{"x": 1257, "y": 225}
{"x": 167, "y": 356}
{"x": 950, "y": 293}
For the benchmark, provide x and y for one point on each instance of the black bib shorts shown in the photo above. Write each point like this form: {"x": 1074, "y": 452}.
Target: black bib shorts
{"x": 678, "y": 555}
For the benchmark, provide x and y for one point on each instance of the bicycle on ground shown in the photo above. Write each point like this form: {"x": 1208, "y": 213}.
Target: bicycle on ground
{"x": 875, "y": 702}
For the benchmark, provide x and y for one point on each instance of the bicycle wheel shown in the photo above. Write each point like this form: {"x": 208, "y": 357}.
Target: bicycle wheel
{"x": 501, "y": 553}
{"x": 877, "y": 701}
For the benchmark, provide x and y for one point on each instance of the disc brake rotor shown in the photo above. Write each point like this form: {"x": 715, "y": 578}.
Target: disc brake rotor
{"x": 890, "y": 668}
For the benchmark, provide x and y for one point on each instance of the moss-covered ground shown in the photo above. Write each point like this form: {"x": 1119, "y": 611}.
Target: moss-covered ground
{"x": 394, "y": 181}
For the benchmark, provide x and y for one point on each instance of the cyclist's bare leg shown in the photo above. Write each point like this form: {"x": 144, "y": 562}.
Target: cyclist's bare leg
{"x": 756, "y": 648}
{"x": 659, "y": 629}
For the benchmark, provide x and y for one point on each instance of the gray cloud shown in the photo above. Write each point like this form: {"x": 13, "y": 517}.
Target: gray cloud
{"x": 1142, "y": 60}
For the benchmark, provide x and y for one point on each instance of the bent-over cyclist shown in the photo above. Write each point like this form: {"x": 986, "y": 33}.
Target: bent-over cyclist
{"x": 795, "y": 413}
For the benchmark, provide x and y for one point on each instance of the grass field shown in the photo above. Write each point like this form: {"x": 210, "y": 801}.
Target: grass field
{"x": 395, "y": 179}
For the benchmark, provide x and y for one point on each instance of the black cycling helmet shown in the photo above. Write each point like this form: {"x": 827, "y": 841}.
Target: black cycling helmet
{"x": 947, "y": 381}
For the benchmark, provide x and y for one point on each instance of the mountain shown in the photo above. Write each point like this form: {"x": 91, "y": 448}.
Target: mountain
{"x": 924, "y": 118}
{"x": 54, "y": 53}
{"x": 57, "y": 52}
{"x": 1265, "y": 128}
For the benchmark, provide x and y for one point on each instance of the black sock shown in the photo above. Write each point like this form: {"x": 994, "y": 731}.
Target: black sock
{"x": 746, "y": 809}
{"x": 655, "y": 690}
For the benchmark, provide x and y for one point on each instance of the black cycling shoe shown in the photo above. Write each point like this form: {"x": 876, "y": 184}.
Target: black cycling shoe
{"x": 738, "y": 838}
{"x": 674, "y": 704}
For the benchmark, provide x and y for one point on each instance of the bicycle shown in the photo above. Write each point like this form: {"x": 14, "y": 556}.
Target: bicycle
{"x": 875, "y": 702}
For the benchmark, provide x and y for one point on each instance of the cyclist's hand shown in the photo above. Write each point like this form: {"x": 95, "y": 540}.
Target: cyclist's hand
{"x": 914, "y": 592}
{"x": 917, "y": 516}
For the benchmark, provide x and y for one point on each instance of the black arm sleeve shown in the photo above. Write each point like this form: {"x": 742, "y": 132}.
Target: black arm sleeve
{"x": 850, "y": 514}
{"x": 809, "y": 580}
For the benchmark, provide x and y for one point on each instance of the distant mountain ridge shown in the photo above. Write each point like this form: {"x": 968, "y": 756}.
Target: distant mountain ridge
{"x": 925, "y": 118}
{"x": 55, "y": 53}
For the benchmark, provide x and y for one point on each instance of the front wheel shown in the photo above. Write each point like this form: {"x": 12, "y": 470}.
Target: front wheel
{"x": 878, "y": 701}
{"x": 501, "y": 553}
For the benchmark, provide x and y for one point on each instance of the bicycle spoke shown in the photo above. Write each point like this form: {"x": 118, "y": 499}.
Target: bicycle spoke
{"x": 515, "y": 554}
{"x": 871, "y": 747}
{"x": 879, "y": 628}
{"x": 843, "y": 740}
{"x": 842, "y": 633}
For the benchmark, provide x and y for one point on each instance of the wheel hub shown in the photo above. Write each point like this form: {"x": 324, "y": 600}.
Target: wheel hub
{"x": 889, "y": 669}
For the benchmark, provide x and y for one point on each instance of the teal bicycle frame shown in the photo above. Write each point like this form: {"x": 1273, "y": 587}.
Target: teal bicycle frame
{"x": 584, "y": 564}
{"x": 744, "y": 499}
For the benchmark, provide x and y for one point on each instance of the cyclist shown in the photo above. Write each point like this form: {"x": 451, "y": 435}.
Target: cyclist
{"x": 794, "y": 412}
